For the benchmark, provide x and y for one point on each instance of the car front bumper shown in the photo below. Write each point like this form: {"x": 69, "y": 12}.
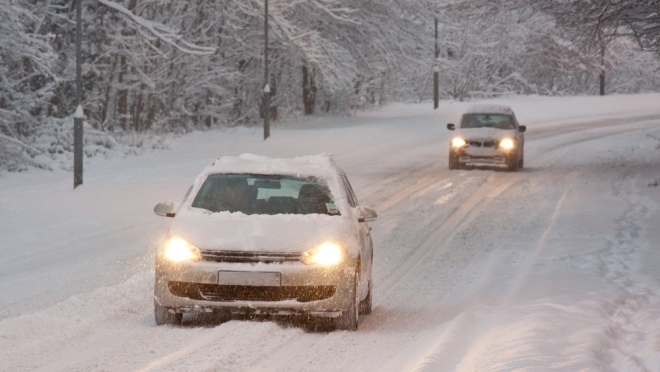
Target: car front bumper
{"x": 483, "y": 156}
{"x": 205, "y": 286}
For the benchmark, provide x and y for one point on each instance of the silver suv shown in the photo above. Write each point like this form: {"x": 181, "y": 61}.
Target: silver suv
{"x": 257, "y": 235}
{"x": 488, "y": 135}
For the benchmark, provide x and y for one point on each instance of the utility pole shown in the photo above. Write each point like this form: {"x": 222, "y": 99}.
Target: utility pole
{"x": 79, "y": 116}
{"x": 602, "y": 70}
{"x": 267, "y": 84}
{"x": 436, "y": 70}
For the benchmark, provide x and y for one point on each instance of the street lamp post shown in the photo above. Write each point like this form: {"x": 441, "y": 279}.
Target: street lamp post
{"x": 436, "y": 71}
{"x": 267, "y": 83}
{"x": 78, "y": 117}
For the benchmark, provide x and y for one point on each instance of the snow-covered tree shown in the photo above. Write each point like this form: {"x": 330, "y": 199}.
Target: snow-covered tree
{"x": 173, "y": 66}
{"x": 26, "y": 79}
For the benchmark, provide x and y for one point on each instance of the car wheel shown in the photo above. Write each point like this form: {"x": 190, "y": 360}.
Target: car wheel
{"x": 521, "y": 163}
{"x": 512, "y": 163}
{"x": 365, "y": 305}
{"x": 348, "y": 320}
{"x": 164, "y": 316}
{"x": 453, "y": 162}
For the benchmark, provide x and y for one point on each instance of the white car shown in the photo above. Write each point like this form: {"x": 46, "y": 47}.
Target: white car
{"x": 263, "y": 236}
{"x": 487, "y": 135}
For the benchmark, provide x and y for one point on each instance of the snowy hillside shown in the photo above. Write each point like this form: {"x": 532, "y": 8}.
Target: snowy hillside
{"x": 554, "y": 267}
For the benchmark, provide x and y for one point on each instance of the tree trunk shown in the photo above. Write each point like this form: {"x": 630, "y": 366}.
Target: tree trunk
{"x": 208, "y": 121}
{"x": 309, "y": 91}
{"x": 137, "y": 109}
{"x": 122, "y": 96}
{"x": 108, "y": 89}
{"x": 151, "y": 113}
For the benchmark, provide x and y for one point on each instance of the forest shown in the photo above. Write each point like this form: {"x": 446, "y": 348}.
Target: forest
{"x": 155, "y": 67}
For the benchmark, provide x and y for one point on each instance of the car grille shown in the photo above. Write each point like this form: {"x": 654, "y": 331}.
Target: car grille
{"x": 249, "y": 257}
{"x": 482, "y": 144}
{"x": 216, "y": 292}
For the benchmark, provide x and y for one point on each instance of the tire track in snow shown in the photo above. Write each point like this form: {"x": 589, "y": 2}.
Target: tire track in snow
{"x": 621, "y": 310}
{"x": 446, "y": 229}
{"x": 191, "y": 348}
{"x": 286, "y": 352}
{"x": 444, "y": 353}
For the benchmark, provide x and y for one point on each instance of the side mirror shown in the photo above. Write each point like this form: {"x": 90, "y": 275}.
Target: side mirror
{"x": 366, "y": 214}
{"x": 522, "y": 128}
{"x": 167, "y": 209}
{"x": 451, "y": 126}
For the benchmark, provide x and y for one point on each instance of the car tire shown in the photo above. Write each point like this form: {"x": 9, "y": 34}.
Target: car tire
{"x": 453, "y": 162}
{"x": 348, "y": 320}
{"x": 365, "y": 305}
{"x": 521, "y": 163}
{"x": 162, "y": 315}
{"x": 512, "y": 163}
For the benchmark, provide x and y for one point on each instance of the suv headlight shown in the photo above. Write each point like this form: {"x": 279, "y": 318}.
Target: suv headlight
{"x": 179, "y": 250}
{"x": 507, "y": 144}
{"x": 327, "y": 254}
{"x": 458, "y": 142}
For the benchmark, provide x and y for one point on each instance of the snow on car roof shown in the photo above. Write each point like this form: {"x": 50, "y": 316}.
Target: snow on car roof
{"x": 489, "y": 109}
{"x": 321, "y": 165}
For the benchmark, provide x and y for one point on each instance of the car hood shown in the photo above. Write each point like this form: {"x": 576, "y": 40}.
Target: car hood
{"x": 485, "y": 133}
{"x": 262, "y": 233}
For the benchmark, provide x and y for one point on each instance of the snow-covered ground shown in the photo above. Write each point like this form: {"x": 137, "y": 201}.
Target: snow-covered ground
{"x": 555, "y": 267}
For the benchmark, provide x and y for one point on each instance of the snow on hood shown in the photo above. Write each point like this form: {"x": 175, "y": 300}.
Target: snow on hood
{"x": 489, "y": 109}
{"x": 264, "y": 233}
{"x": 484, "y": 133}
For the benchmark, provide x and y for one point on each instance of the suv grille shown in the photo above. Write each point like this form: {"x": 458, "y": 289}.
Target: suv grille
{"x": 215, "y": 292}
{"x": 482, "y": 144}
{"x": 249, "y": 257}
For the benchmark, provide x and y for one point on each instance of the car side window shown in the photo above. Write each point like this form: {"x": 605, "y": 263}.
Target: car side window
{"x": 352, "y": 200}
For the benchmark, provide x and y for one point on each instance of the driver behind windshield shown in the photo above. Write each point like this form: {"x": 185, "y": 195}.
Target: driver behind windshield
{"x": 498, "y": 121}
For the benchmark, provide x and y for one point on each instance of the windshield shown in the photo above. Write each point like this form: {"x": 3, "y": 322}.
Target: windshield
{"x": 498, "y": 121}
{"x": 265, "y": 194}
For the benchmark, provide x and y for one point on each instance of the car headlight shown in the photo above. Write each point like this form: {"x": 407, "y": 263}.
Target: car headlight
{"x": 507, "y": 144}
{"x": 179, "y": 250}
{"x": 458, "y": 142}
{"x": 326, "y": 254}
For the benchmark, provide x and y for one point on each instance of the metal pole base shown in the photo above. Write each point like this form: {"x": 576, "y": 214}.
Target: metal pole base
{"x": 266, "y": 115}
{"x": 77, "y": 152}
{"x": 436, "y": 90}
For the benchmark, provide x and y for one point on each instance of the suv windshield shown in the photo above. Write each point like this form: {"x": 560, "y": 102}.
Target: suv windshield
{"x": 265, "y": 194}
{"x": 498, "y": 121}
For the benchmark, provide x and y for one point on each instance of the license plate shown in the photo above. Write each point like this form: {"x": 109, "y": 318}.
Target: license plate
{"x": 250, "y": 278}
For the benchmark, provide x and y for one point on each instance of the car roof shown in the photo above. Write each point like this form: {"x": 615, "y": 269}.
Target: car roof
{"x": 321, "y": 165}
{"x": 489, "y": 109}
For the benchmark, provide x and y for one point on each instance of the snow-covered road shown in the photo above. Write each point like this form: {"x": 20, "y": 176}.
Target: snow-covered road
{"x": 551, "y": 268}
